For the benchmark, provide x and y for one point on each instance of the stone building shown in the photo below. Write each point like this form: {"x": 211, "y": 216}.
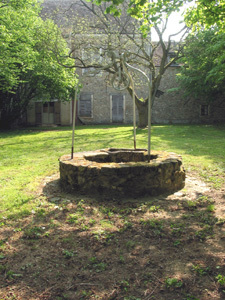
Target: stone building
{"x": 100, "y": 103}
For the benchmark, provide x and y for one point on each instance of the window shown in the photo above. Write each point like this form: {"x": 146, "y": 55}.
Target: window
{"x": 85, "y": 105}
{"x": 51, "y": 107}
{"x": 170, "y": 56}
{"x": 159, "y": 93}
{"x": 45, "y": 107}
{"x": 204, "y": 110}
{"x": 117, "y": 108}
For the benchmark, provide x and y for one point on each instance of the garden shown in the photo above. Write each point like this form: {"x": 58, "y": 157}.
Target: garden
{"x": 66, "y": 245}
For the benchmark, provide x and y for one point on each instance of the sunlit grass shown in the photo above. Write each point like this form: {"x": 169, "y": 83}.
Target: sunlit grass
{"x": 29, "y": 155}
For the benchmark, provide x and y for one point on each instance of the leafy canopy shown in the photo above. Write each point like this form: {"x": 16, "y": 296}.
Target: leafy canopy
{"x": 26, "y": 43}
{"x": 202, "y": 13}
{"x": 29, "y": 67}
{"x": 203, "y": 73}
{"x": 207, "y": 13}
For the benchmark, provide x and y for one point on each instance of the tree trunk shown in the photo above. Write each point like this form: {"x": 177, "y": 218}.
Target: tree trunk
{"x": 143, "y": 114}
{"x": 142, "y": 108}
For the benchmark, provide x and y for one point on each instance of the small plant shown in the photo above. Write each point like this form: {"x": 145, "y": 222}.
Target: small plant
{"x": 3, "y": 268}
{"x": 154, "y": 208}
{"x": 122, "y": 259}
{"x": 142, "y": 208}
{"x": 130, "y": 244}
{"x": 68, "y": 254}
{"x": 204, "y": 233}
{"x": 41, "y": 213}
{"x": 177, "y": 229}
{"x": 96, "y": 265}
{"x": 73, "y": 219}
{"x": 124, "y": 284}
{"x": 2, "y": 243}
{"x": 191, "y": 205}
{"x": 147, "y": 278}
{"x": 80, "y": 206}
{"x": 126, "y": 225}
{"x": 46, "y": 234}
{"x": 201, "y": 270}
{"x": 106, "y": 224}
{"x": 220, "y": 221}
{"x": 92, "y": 222}
{"x": 131, "y": 298}
{"x": 203, "y": 201}
{"x": 206, "y": 218}
{"x": 177, "y": 243}
{"x": 152, "y": 223}
{"x": 84, "y": 227}
{"x": 34, "y": 232}
{"x": 126, "y": 211}
{"x": 221, "y": 280}
{"x": 210, "y": 208}
{"x": 85, "y": 294}
{"x": 17, "y": 229}
{"x": 190, "y": 297}
{"x": 10, "y": 275}
{"x": 26, "y": 266}
{"x": 155, "y": 225}
{"x": 173, "y": 283}
{"x": 107, "y": 211}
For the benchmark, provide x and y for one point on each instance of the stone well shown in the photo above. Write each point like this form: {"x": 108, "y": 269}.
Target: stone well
{"x": 123, "y": 171}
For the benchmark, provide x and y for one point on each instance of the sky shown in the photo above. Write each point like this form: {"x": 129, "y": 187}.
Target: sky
{"x": 174, "y": 25}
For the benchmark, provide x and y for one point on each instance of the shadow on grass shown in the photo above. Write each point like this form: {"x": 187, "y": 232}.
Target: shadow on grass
{"x": 203, "y": 141}
{"x": 105, "y": 247}
{"x": 197, "y": 141}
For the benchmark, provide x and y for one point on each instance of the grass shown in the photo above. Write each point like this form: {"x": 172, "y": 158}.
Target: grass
{"x": 29, "y": 155}
{"x": 58, "y": 245}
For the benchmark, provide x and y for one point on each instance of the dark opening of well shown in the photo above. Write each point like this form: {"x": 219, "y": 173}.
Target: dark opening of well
{"x": 120, "y": 156}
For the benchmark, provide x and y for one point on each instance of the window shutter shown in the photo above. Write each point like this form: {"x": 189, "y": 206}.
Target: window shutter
{"x": 57, "y": 112}
{"x": 85, "y": 105}
{"x": 38, "y": 112}
{"x": 117, "y": 108}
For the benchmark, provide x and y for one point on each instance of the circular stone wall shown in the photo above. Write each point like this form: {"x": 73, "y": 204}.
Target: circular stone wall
{"x": 122, "y": 171}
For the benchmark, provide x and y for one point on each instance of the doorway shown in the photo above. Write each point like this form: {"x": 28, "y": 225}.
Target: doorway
{"x": 117, "y": 108}
{"x": 47, "y": 113}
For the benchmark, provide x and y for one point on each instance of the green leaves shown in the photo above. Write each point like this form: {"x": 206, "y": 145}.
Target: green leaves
{"x": 203, "y": 75}
{"x": 207, "y": 13}
{"x": 29, "y": 65}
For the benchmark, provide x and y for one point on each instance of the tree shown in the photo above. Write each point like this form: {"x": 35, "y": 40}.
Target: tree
{"x": 28, "y": 65}
{"x": 110, "y": 35}
{"x": 203, "y": 73}
{"x": 149, "y": 12}
{"x": 203, "y": 12}
{"x": 207, "y": 13}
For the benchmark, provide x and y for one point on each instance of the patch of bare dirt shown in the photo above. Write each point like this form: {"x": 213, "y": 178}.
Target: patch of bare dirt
{"x": 76, "y": 246}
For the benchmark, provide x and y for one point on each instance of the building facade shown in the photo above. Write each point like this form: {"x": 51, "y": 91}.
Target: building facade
{"x": 99, "y": 103}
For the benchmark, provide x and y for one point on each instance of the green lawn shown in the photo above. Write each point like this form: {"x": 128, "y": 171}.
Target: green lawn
{"x": 29, "y": 155}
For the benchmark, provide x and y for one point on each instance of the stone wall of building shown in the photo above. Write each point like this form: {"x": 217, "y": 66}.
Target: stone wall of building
{"x": 169, "y": 108}
{"x": 174, "y": 108}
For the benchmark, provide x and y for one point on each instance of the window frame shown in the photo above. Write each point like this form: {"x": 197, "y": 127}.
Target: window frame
{"x": 91, "y": 103}
{"x": 204, "y": 110}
